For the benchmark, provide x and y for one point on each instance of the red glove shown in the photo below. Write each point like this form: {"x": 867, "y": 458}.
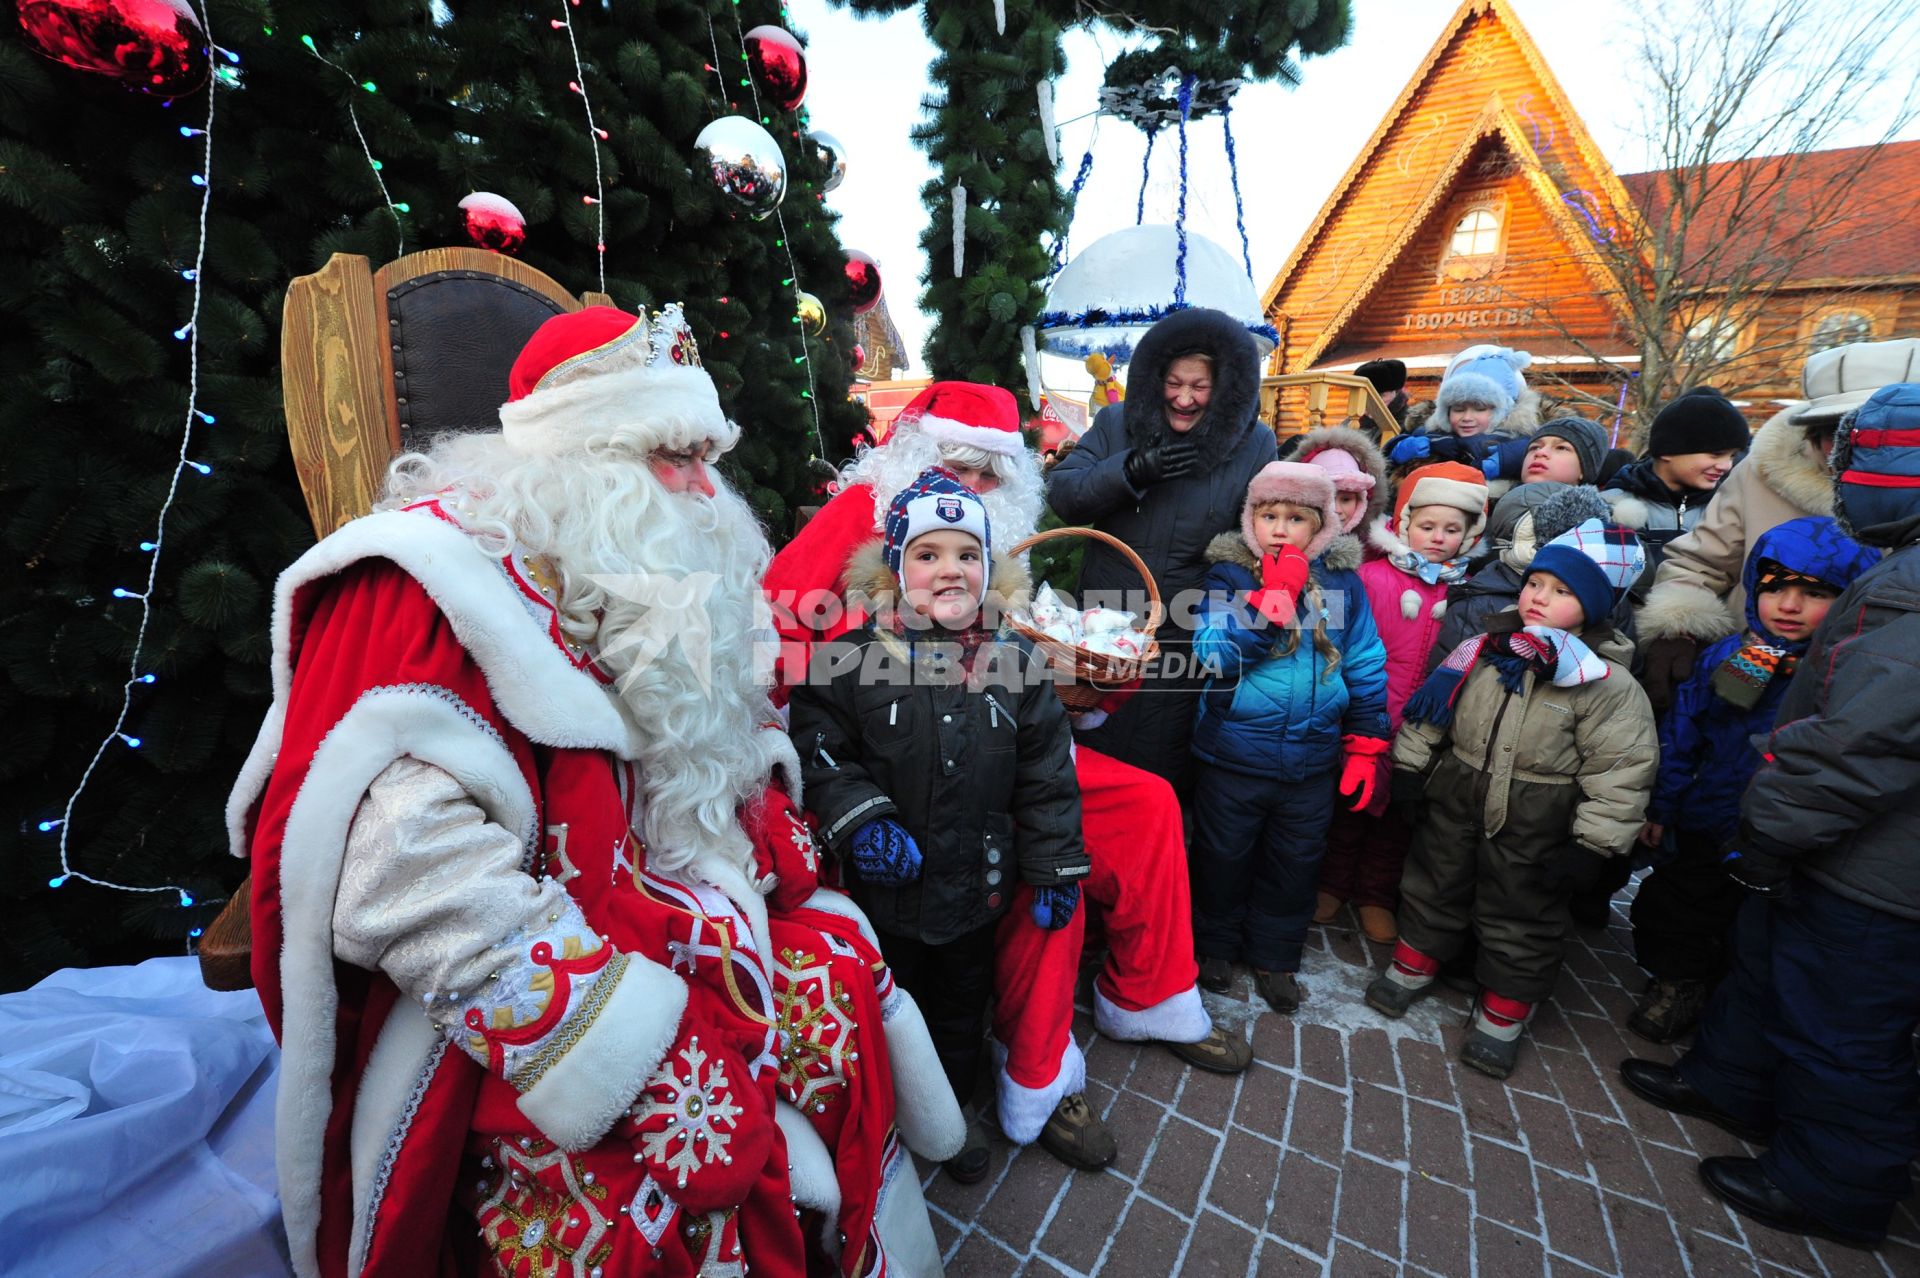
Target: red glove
{"x": 700, "y": 1125}
{"x": 782, "y": 847}
{"x": 1119, "y": 696}
{"x": 1283, "y": 575}
{"x": 1363, "y": 758}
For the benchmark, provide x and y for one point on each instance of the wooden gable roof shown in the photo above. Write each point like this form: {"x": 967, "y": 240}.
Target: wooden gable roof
{"x": 1482, "y": 119}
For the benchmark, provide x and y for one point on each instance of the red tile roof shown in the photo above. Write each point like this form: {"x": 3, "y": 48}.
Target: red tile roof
{"x": 1874, "y": 232}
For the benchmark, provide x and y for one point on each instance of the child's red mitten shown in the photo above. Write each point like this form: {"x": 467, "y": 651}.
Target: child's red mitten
{"x": 1363, "y": 758}
{"x": 1283, "y": 575}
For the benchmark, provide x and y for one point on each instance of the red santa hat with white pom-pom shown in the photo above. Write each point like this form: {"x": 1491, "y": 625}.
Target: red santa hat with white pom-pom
{"x": 969, "y": 414}
{"x": 600, "y": 374}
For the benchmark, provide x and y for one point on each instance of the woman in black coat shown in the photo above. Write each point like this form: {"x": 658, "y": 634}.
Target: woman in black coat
{"x": 1165, "y": 471}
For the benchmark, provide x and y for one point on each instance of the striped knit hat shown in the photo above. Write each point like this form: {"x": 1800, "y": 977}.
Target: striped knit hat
{"x": 936, "y": 500}
{"x": 1876, "y": 459}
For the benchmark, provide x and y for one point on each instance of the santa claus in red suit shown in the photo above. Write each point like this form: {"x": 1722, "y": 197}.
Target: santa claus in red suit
{"x": 535, "y": 915}
{"x": 1131, "y": 820}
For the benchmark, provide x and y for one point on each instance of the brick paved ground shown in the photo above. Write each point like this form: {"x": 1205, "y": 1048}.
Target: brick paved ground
{"x": 1356, "y": 1146}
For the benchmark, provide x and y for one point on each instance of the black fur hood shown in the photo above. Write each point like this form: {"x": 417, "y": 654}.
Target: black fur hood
{"x": 1233, "y": 409}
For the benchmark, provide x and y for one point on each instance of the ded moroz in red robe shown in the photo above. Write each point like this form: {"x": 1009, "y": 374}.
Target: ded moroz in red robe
{"x": 508, "y": 1045}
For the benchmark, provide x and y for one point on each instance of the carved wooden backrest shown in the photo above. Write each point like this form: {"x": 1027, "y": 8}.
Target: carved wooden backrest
{"x": 372, "y": 362}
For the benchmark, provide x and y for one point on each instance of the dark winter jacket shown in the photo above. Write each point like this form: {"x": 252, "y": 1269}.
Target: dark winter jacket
{"x": 1838, "y": 792}
{"x": 1167, "y": 524}
{"x": 1707, "y": 754}
{"x": 1598, "y": 738}
{"x": 979, "y": 771}
{"x": 1278, "y": 714}
{"x": 1643, "y": 502}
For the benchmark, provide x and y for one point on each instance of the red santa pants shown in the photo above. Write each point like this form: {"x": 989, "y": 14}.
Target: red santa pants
{"x": 1131, "y": 822}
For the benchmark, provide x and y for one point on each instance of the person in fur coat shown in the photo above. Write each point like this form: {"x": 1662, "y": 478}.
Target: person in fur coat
{"x": 1301, "y": 691}
{"x": 1532, "y": 751}
{"x": 1693, "y": 444}
{"x": 1165, "y": 471}
{"x": 1437, "y": 513}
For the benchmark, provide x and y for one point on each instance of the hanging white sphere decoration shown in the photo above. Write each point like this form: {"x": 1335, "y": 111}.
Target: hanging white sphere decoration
{"x": 1116, "y": 288}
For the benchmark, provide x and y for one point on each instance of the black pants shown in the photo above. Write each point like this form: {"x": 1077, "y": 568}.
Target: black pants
{"x": 953, "y": 983}
{"x": 1814, "y": 1028}
{"x": 1683, "y": 914}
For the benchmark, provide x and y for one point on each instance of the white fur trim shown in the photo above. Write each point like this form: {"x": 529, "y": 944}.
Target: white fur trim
{"x": 1682, "y": 608}
{"x": 1439, "y": 608}
{"x": 900, "y": 1219}
{"x": 384, "y": 725}
{"x": 536, "y": 687}
{"x": 1628, "y": 510}
{"x": 395, "y": 1071}
{"x": 1024, "y": 1111}
{"x": 1410, "y": 604}
{"x": 662, "y": 406}
{"x": 810, "y": 1177}
{"x": 834, "y": 902}
{"x": 989, "y": 439}
{"x": 924, "y": 1107}
{"x": 1788, "y": 465}
{"x": 1180, "y": 1019}
{"x": 582, "y": 1094}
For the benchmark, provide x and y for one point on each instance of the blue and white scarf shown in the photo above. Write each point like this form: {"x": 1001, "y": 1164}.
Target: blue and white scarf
{"x": 1415, "y": 564}
{"x": 1555, "y": 655}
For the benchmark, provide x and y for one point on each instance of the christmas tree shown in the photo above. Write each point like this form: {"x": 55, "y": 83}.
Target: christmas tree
{"x": 986, "y": 137}
{"x": 338, "y": 127}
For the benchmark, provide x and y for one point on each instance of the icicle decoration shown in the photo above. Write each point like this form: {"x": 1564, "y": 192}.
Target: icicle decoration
{"x": 1030, "y": 356}
{"x": 1045, "y": 92}
{"x": 959, "y": 230}
{"x": 1000, "y": 16}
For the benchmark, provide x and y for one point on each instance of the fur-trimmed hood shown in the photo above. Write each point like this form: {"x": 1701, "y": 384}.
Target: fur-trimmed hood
{"x": 1356, "y": 445}
{"x": 1789, "y": 465}
{"x": 1343, "y": 553}
{"x": 1233, "y": 408}
{"x": 867, "y": 577}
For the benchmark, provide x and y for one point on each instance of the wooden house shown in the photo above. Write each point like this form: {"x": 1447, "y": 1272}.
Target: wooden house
{"x": 1475, "y": 213}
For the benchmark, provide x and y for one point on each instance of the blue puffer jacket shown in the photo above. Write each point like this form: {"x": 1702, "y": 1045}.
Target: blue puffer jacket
{"x": 1283, "y": 716}
{"x": 1707, "y": 755}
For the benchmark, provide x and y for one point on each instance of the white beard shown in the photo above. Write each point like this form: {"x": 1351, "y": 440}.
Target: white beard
{"x": 665, "y": 588}
{"x": 1013, "y": 507}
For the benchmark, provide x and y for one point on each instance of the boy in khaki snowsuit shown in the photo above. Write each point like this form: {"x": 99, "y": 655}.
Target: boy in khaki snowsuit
{"x": 1534, "y": 752}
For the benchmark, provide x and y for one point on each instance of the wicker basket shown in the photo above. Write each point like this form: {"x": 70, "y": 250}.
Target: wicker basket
{"x": 1086, "y": 676}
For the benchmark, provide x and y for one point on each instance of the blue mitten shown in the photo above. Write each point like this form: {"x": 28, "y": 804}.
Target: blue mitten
{"x": 1053, "y": 907}
{"x": 1409, "y": 448}
{"x": 884, "y": 853}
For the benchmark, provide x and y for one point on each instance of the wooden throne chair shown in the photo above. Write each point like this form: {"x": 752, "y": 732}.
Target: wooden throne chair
{"x": 373, "y": 363}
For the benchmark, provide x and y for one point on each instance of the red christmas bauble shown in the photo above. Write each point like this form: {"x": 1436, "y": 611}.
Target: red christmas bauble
{"x": 493, "y": 222}
{"x": 863, "y": 281}
{"x": 779, "y": 63}
{"x": 859, "y": 356}
{"x": 155, "y": 46}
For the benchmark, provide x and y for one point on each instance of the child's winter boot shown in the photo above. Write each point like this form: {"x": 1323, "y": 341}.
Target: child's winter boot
{"x": 1407, "y": 978}
{"x": 1493, "y": 1034}
{"x": 1669, "y": 1009}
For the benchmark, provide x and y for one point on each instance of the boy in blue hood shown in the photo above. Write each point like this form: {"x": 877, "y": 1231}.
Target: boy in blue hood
{"x": 1683, "y": 914}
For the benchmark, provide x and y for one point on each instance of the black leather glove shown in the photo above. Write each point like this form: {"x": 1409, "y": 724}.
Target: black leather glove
{"x": 1164, "y": 460}
{"x": 1667, "y": 663}
{"x": 1407, "y": 796}
{"x": 1757, "y": 872}
{"x": 1574, "y": 868}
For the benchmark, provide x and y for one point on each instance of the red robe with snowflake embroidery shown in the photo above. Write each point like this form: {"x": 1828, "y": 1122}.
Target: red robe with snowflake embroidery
{"x": 486, "y": 998}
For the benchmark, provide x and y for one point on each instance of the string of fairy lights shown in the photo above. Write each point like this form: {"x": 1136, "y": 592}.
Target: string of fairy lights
{"x": 595, "y": 136}
{"x": 353, "y": 116}
{"x": 202, "y": 178}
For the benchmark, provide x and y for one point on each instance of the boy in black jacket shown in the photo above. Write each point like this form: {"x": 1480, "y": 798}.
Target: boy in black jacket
{"x": 938, "y": 761}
